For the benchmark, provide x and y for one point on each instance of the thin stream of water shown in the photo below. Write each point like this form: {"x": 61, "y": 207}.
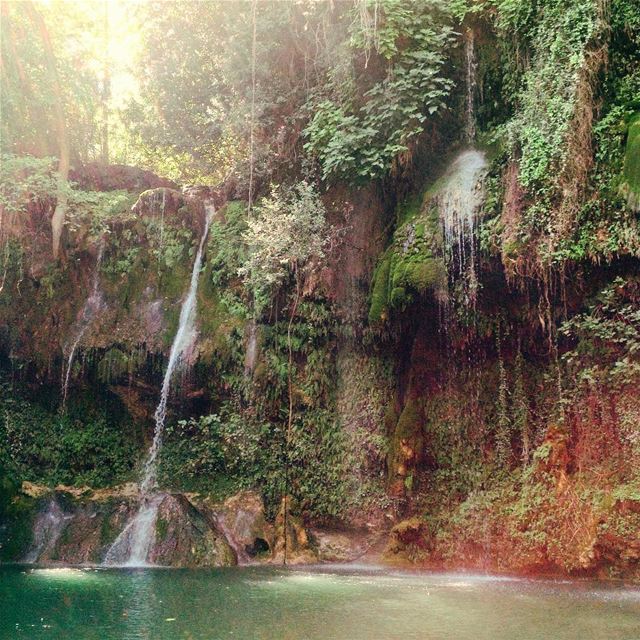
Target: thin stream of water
{"x": 131, "y": 547}
{"x": 471, "y": 66}
{"x": 91, "y": 307}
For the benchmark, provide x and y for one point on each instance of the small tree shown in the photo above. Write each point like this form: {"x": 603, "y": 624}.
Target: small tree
{"x": 287, "y": 238}
{"x": 59, "y": 213}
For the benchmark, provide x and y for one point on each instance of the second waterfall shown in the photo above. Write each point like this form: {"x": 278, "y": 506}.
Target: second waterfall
{"x": 131, "y": 547}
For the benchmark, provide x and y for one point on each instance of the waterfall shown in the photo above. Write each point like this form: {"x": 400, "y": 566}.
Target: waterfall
{"x": 183, "y": 340}
{"x": 459, "y": 203}
{"x": 131, "y": 547}
{"x": 47, "y": 528}
{"x": 91, "y": 307}
{"x": 471, "y": 65}
{"x": 460, "y": 199}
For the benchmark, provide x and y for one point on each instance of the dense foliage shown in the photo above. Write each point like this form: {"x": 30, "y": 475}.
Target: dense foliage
{"x": 344, "y": 355}
{"x": 85, "y": 446}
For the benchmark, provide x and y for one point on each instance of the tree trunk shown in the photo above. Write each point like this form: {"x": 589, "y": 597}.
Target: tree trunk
{"x": 12, "y": 66}
{"x": 59, "y": 214}
{"x": 106, "y": 87}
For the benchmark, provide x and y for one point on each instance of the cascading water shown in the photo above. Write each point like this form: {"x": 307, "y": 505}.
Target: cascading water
{"x": 91, "y": 308}
{"x": 471, "y": 65}
{"x": 131, "y": 547}
{"x": 459, "y": 202}
{"x": 461, "y": 197}
{"x": 47, "y": 528}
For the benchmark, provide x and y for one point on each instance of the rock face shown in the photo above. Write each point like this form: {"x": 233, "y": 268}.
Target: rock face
{"x": 242, "y": 519}
{"x": 552, "y": 525}
{"x": 78, "y": 530}
{"x": 78, "y": 527}
{"x": 341, "y": 546}
{"x": 172, "y": 207}
{"x": 99, "y": 177}
{"x": 70, "y": 530}
{"x": 187, "y": 538}
{"x": 292, "y": 543}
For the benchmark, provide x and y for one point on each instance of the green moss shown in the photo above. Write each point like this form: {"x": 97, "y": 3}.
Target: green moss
{"x": 422, "y": 275}
{"x": 407, "y": 441}
{"x": 409, "y": 425}
{"x": 17, "y": 533}
{"x": 173, "y": 282}
{"x": 399, "y": 298}
{"x": 412, "y": 265}
{"x": 632, "y": 163}
{"x": 390, "y": 419}
{"x": 108, "y": 532}
{"x": 409, "y": 209}
{"x": 162, "y": 528}
{"x": 379, "y": 297}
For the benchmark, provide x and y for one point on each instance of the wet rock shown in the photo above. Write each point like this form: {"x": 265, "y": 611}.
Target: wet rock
{"x": 410, "y": 537}
{"x": 242, "y": 519}
{"x": 159, "y": 202}
{"x": 292, "y": 544}
{"x": 71, "y": 530}
{"x": 340, "y": 546}
{"x": 79, "y": 530}
{"x": 172, "y": 207}
{"x": 185, "y": 537}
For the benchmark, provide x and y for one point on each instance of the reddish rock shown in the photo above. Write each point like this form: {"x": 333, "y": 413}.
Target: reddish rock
{"x": 99, "y": 177}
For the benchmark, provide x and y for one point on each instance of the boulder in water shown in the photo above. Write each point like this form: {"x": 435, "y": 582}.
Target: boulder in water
{"x": 245, "y": 526}
{"x": 72, "y": 530}
{"x": 185, "y": 537}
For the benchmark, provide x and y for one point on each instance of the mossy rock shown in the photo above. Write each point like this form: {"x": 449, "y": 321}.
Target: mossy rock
{"x": 186, "y": 538}
{"x": 409, "y": 537}
{"x": 390, "y": 419}
{"x": 413, "y": 263}
{"x": 631, "y": 174}
{"x": 399, "y": 298}
{"x": 379, "y": 306}
{"x": 407, "y": 443}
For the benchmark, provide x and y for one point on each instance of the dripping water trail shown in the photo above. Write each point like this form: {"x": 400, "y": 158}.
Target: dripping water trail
{"x": 132, "y": 546}
{"x": 47, "y": 529}
{"x": 471, "y": 66}
{"x": 459, "y": 203}
{"x": 92, "y": 306}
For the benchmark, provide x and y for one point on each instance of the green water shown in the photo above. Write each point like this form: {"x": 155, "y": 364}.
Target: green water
{"x": 321, "y": 603}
